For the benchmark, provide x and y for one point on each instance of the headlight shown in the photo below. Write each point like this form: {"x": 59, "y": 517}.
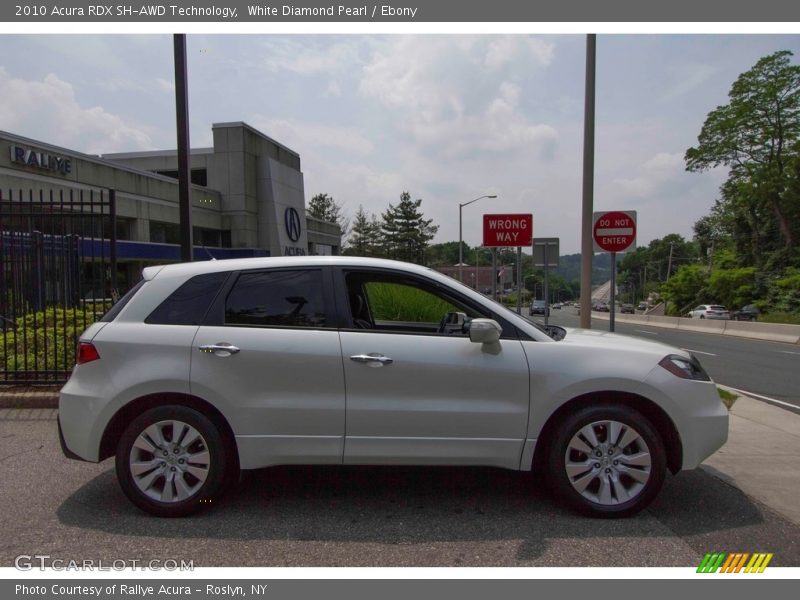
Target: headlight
{"x": 685, "y": 368}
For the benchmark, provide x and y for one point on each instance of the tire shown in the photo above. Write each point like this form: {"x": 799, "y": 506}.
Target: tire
{"x": 186, "y": 479}
{"x": 622, "y": 480}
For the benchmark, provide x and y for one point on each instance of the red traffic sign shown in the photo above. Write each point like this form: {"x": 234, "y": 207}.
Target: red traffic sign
{"x": 614, "y": 231}
{"x": 507, "y": 230}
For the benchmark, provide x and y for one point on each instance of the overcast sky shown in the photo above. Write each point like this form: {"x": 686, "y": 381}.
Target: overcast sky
{"x": 446, "y": 117}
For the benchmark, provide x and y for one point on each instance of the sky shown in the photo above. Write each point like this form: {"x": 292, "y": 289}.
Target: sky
{"x": 447, "y": 118}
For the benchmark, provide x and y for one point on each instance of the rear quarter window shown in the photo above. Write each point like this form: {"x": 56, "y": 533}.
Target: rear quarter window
{"x": 188, "y": 304}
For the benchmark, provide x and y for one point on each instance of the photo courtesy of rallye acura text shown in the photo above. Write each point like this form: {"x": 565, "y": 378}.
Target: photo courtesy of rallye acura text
{"x": 206, "y": 368}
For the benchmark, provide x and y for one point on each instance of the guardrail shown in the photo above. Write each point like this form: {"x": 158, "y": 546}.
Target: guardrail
{"x": 773, "y": 332}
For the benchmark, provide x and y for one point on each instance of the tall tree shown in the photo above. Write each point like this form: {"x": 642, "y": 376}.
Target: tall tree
{"x": 756, "y": 135}
{"x": 326, "y": 208}
{"x": 365, "y": 235}
{"x": 406, "y": 232}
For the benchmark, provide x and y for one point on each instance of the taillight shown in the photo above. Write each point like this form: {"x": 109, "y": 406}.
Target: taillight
{"x": 87, "y": 353}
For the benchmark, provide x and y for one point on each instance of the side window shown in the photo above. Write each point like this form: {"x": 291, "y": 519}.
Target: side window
{"x": 396, "y": 303}
{"x": 291, "y": 298}
{"x": 400, "y": 302}
{"x": 189, "y": 303}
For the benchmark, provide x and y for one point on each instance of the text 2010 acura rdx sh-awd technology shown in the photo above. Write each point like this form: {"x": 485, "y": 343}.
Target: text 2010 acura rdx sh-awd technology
{"x": 206, "y": 368}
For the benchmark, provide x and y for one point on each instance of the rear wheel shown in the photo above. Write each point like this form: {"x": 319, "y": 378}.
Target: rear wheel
{"x": 171, "y": 461}
{"x": 607, "y": 461}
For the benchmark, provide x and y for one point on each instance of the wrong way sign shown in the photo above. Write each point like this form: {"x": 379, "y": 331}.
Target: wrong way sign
{"x": 614, "y": 231}
{"x": 507, "y": 230}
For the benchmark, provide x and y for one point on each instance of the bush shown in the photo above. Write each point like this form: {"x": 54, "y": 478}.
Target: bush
{"x": 45, "y": 340}
{"x": 392, "y": 302}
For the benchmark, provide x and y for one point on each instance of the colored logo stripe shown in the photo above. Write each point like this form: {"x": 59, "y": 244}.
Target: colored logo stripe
{"x": 734, "y": 562}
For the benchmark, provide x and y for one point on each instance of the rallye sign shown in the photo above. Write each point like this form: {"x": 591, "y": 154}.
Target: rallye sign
{"x": 507, "y": 230}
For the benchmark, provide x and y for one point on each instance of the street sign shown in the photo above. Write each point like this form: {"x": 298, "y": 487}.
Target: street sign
{"x": 545, "y": 252}
{"x": 507, "y": 230}
{"x": 614, "y": 231}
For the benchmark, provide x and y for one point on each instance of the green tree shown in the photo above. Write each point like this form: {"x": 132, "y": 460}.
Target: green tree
{"x": 756, "y": 135}
{"x": 405, "y": 231}
{"x": 365, "y": 235}
{"x": 325, "y": 208}
{"x": 685, "y": 289}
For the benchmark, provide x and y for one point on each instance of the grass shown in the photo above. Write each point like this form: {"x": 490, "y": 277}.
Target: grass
{"x": 786, "y": 318}
{"x": 728, "y": 398}
{"x": 394, "y": 302}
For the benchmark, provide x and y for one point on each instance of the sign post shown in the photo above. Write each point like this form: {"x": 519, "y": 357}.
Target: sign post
{"x": 545, "y": 254}
{"x": 613, "y": 232}
{"x": 508, "y": 231}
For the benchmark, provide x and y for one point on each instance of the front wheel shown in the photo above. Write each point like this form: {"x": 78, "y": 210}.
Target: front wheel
{"x": 607, "y": 461}
{"x": 171, "y": 461}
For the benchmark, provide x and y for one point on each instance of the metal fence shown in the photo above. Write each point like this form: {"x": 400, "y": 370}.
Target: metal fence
{"x": 57, "y": 276}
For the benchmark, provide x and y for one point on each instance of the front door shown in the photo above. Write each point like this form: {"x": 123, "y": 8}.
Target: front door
{"x": 418, "y": 390}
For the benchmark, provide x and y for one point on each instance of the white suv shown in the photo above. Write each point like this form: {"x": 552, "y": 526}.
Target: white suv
{"x": 206, "y": 368}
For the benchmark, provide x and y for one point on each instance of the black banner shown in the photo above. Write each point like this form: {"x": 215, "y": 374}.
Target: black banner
{"x": 407, "y": 11}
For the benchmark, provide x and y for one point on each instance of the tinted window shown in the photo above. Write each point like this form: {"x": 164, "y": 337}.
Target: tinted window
{"x": 189, "y": 303}
{"x": 277, "y": 299}
{"x": 115, "y": 310}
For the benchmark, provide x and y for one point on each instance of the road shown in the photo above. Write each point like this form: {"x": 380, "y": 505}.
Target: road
{"x": 363, "y": 517}
{"x": 770, "y": 369}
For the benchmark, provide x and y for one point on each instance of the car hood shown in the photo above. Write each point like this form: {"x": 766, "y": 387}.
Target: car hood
{"x": 605, "y": 340}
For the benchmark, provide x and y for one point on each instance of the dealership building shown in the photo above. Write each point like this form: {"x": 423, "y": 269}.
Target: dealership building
{"x": 247, "y": 197}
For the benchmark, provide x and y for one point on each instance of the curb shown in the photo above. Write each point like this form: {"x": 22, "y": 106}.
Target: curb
{"x": 28, "y": 398}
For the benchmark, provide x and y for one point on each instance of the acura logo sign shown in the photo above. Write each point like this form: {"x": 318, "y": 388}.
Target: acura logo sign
{"x": 292, "y": 221}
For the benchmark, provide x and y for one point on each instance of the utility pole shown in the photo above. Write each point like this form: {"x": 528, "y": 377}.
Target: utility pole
{"x": 587, "y": 251}
{"x": 669, "y": 263}
{"x": 184, "y": 172}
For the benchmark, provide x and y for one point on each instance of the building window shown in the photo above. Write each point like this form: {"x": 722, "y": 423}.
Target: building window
{"x": 198, "y": 176}
{"x": 164, "y": 233}
{"x": 207, "y": 237}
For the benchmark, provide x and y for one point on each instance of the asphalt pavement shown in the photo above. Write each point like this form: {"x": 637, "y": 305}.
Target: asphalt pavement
{"x": 742, "y": 499}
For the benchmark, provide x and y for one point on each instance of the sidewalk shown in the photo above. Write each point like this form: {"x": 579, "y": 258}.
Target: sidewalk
{"x": 761, "y": 457}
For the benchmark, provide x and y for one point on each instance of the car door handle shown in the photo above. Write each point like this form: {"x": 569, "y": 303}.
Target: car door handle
{"x": 220, "y": 349}
{"x": 373, "y": 359}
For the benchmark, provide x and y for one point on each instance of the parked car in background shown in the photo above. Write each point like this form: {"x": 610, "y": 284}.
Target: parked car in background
{"x": 642, "y": 306}
{"x": 206, "y": 368}
{"x": 746, "y": 313}
{"x": 556, "y": 306}
{"x": 601, "y": 307}
{"x": 626, "y": 309}
{"x": 710, "y": 311}
{"x": 538, "y": 307}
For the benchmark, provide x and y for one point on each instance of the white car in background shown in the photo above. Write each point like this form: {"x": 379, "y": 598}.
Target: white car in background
{"x": 206, "y": 368}
{"x": 710, "y": 311}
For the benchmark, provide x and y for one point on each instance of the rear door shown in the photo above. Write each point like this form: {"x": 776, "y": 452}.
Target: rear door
{"x": 269, "y": 353}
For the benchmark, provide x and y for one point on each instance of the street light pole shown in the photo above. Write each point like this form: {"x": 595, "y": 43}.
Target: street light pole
{"x": 460, "y": 235}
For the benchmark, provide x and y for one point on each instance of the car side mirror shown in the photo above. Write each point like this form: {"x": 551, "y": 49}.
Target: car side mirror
{"x": 484, "y": 331}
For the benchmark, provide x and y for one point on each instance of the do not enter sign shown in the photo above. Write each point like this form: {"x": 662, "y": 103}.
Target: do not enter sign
{"x": 614, "y": 231}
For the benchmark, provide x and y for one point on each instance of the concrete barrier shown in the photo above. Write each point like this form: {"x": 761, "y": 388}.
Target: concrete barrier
{"x": 702, "y": 325}
{"x": 775, "y": 332}
{"x": 771, "y": 332}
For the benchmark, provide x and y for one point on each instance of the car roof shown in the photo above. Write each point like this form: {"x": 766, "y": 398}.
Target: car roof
{"x": 237, "y": 264}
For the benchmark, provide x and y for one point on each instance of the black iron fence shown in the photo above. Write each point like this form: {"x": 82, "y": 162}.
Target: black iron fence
{"x": 57, "y": 276}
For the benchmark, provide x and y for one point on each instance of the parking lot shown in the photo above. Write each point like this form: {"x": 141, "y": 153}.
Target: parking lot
{"x": 367, "y": 516}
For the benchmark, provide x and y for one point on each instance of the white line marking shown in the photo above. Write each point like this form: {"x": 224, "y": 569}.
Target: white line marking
{"x": 760, "y": 397}
{"x": 698, "y": 352}
{"x": 789, "y": 352}
{"x": 647, "y": 332}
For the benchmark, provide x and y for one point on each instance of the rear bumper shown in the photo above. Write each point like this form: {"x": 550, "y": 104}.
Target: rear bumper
{"x": 67, "y": 452}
